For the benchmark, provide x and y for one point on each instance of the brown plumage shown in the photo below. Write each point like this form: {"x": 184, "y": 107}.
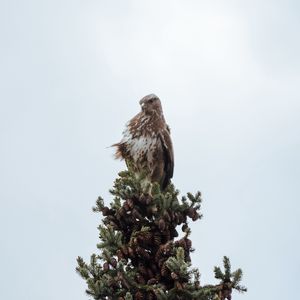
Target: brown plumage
{"x": 146, "y": 145}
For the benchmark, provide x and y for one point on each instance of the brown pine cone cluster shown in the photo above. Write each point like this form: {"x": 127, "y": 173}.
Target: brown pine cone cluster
{"x": 149, "y": 240}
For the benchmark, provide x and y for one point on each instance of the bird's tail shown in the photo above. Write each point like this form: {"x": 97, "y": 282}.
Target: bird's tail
{"x": 120, "y": 151}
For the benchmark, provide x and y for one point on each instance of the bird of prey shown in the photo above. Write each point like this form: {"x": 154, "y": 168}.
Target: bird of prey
{"x": 146, "y": 145}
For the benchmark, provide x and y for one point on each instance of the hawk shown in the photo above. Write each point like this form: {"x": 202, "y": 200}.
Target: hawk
{"x": 146, "y": 145}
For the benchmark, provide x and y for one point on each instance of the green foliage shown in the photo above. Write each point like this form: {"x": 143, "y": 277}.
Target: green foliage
{"x": 110, "y": 239}
{"x": 234, "y": 278}
{"x": 140, "y": 257}
{"x": 178, "y": 266}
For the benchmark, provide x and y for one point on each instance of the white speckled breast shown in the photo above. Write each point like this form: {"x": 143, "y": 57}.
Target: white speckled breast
{"x": 141, "y": 147}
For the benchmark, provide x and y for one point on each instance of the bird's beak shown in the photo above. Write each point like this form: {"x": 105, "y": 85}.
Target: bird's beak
{"x": 143, "y": 105}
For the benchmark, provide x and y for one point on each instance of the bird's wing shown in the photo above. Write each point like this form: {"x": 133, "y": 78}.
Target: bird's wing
{"x": 167, "y": 146}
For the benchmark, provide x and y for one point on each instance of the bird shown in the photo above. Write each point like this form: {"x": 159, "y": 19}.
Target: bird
{"x": 146, "y": 145}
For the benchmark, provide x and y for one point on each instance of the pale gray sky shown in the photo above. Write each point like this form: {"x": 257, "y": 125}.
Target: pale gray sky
{"x": 228, "y": 75}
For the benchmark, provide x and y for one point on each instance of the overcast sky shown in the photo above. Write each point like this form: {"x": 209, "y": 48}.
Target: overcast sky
{"x": 72, "y": 73}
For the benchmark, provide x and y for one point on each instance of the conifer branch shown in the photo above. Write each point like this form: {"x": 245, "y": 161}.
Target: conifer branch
{"x": 140, "y": 257}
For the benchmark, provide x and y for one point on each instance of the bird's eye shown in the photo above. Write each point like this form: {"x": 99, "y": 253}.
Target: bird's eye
{"x": 150, "y": 101}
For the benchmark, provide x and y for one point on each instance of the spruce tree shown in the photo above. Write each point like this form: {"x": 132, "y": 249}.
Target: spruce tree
{"x": 141, "y": 255}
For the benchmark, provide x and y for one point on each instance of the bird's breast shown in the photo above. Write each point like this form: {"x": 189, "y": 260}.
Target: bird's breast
{"x": 142, "y": 148}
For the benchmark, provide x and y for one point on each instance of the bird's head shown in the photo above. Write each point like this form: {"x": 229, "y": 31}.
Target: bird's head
{"x": 150, "y": 104}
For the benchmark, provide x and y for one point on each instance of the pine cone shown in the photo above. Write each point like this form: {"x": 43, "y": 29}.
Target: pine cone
{"x": 140, "y": 279}
{"x": 167, "y": 216}
{"x": 121, "y": 213}
{"x": 188, "y": 243}
{"x": 191, "y": 212}
{"x": 106, "y": 211}
{"x": 181, "y": 243}
{"x": 226, "y": 292}
{"x": 150, "y": 273}
{"x": 145, "y": 238}
{"x": 161, "y": 262}
{"x": 184, "y": 227}
{"x": 143, "y": 253}
{"x": 120, "y": 255}
{"x": 166, "y": 236}
{"x": 152, "y": 281}
{"x": 137, "y": 215}
{"x": 131, "y": 252}
{"x": 196, "y": 217}
{"x": 161, "y": 224}
{"x": 178, "y": 285}
{"x": 113, "y": 262}
{"x": 154, "y": 268}
{"x": 151, "y": 296}
{"x": 157, "y": 239}
{"x": 106, "y": 266}
{"x": 130, "y": 203}
{"x": 139, "y": 295}
{"x": 124, "y": 250}
{"x": 164, "y": 270}
{"x": 145, "y": 199}
{"x": 142, "y": 269}
{"x": 114, "y": 225}
{"x": 173, "y": 232}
